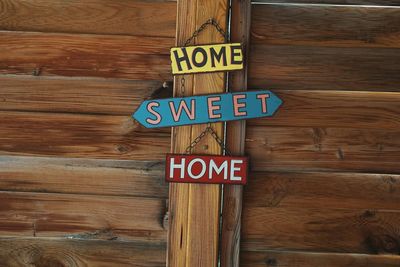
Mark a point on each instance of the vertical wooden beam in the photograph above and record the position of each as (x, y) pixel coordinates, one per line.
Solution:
(194, 209)
(235, 140)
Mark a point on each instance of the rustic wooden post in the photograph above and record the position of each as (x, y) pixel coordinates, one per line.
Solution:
(194, 210)
(235, 140)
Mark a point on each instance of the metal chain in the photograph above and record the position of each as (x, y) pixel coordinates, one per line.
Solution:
(197, 140)
(196, 33)
(209, 129)
(210, 21)
(219, 140)
(183, 86)
(214, 134)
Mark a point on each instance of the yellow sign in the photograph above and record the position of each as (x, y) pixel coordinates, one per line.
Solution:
(206, 58)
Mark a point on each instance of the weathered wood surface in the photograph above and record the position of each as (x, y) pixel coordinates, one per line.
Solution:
(72, 135)
(336, 212)
(321, 229)
(72, 73)
(335, 68)
(128, 57)
(46, 252)
(325, 25)
(377, 3)
(300, 259)
(117, 137)
(75, 95)
(83, 176)
(321, 189)
(373, 110)
(340, 149)
(97, 96)
(235, 141)
(133, 17)
(76, 216)
(195, 209)
(323, 68)
(324, 47)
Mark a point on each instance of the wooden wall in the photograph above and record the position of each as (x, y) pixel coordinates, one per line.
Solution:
(325, 183)
(80, 183)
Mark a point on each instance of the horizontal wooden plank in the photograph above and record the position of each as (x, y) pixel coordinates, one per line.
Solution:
(74, 95)
(300, 259)
(131, 17)
(375, 110)
(87, 136)
(377, 3)
(139, 58)
(80, 216)
(324, 68)
(19, 252)
(318, 189)
(306, 148)
(325, 25)
(321, 229)
(83, 176)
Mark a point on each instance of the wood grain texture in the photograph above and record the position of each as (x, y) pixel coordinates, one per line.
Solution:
(195, 209)
(119, 97)
(368, 110)
(137, 17)
(377, 3)
(46, 252)
(300, 259)
(334, 64)
(128, 57)
(324, 47)
(74, 95)
(325, 25)
(81, 216)
(329, 149)
(178, 205)
(235, 141)
(87, 136)
(323, 68)
(83, 176)
(321, 229)
(321, 189)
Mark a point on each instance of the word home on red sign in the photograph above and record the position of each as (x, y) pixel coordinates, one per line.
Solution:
(206, 169)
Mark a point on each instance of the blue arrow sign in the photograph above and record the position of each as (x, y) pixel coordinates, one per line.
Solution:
(169, 112)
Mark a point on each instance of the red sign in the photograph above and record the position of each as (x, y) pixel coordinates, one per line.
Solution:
(206, 169)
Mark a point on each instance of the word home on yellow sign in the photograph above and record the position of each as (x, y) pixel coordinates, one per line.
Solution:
(206, 58)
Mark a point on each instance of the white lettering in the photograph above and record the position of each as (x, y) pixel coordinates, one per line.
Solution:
(203, 168)
(222, 167)
(233, 169)
(173, 166)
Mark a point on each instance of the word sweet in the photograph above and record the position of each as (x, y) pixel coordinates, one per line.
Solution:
(206, 169)
(206, 58)
(208, 108)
